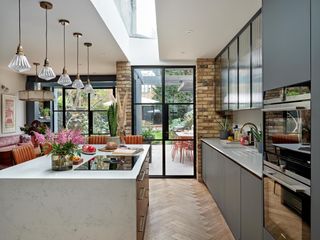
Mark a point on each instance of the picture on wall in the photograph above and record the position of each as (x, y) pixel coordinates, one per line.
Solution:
(8, 113)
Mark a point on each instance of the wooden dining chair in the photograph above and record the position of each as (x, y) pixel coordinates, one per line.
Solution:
(97, 139)
(23, 153)
(133, 139)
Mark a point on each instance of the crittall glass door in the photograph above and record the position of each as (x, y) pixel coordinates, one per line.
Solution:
(163, 112)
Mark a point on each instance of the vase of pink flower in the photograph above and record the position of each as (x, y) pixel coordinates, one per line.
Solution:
(64, 145)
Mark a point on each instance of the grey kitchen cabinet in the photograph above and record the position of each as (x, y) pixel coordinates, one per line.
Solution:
(286, 42)
(232, 196)
(251, 206)
(224, 101)
(315, 115)
(205, 158)
(233, 75)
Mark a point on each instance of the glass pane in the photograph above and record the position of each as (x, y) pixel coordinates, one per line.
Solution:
(225, 80)
(76, 99)
(179, 85)
(77, 120)
(233, 76)
(179, 158)
(155, 166)
(148, 121)
(57, 103)
(58, 121)
(257, 63)
(100, 123)
(101, 99)
(148, 87)
(244, 70)
(180, 121)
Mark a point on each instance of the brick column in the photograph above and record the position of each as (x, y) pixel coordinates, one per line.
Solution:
(207, 86)
(123, 84)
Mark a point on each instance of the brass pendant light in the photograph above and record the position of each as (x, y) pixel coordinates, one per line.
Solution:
(47, 72)
(77, 83)
(64, 79)
(19, 62)
(36, 95)
(88, 87)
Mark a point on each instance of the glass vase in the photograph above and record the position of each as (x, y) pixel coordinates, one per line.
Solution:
(61, 162)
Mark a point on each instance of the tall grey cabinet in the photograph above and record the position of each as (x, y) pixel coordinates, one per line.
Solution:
(286, 42)
(315, 115)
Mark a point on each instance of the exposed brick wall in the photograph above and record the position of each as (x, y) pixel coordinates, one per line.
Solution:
(124, 84)
(207, 86)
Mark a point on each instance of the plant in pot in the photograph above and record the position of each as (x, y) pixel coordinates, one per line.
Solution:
(258, 136)
(147, 134)
(45, 112)
(224, 128)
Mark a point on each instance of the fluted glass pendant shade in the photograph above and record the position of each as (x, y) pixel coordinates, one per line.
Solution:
(64, 79)
(88, 88)
(77, 83)
(19, 62)
(47, 72)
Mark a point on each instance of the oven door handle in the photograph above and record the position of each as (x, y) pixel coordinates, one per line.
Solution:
(295, 188)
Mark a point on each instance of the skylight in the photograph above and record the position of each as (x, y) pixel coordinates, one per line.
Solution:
(139, 17)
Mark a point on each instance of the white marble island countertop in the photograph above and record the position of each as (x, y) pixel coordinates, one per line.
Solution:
(246, 156)
(40, 168)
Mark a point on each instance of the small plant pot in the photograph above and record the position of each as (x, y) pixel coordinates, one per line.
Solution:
(115, 139)
(224, 134)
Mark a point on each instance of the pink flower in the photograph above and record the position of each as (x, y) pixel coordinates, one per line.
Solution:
(62, 137)
(40, 138)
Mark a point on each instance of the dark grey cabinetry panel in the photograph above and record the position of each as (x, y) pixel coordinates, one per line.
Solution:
(244, 70)
(232, 196)
(315, 114)
(251, 206)
(286, 42)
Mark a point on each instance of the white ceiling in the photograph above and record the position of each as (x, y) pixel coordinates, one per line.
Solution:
(83, 18)
(213, 23)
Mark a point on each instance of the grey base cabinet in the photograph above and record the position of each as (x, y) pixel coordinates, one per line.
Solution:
(237, 192)
(251, 206)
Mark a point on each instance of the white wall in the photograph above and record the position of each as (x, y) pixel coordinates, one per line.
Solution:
(14, 82)
(243, 116)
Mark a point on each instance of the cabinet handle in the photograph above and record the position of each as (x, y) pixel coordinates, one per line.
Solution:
(141, 193)
(143, 173)
(141, 224)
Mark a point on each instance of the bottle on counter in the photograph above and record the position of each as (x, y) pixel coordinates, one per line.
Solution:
(236, 132)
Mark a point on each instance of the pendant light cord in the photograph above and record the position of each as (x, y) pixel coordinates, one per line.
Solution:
(64, 45)
(88, 61)
(46, 33)
(19, 22)
(77, 54)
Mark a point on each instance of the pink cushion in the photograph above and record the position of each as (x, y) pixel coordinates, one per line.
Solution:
(7, 148)
(9, 140)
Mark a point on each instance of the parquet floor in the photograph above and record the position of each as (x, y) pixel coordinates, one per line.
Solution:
(182, 209)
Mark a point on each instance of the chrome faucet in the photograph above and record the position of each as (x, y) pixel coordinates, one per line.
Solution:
(248, 124)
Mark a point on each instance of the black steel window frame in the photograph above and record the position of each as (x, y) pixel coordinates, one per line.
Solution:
(90, 112)
(165, 119)
(236, 38)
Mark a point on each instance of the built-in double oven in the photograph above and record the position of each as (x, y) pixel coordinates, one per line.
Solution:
(287, 162)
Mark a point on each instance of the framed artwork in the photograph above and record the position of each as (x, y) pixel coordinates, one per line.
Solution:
(8, 113)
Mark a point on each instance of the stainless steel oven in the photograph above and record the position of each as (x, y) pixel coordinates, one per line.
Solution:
(287, 162)
(286, 206)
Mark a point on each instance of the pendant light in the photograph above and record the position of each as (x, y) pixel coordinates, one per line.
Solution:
(64, 79)
(77, 83)
(88, 88)
(36, 95)
(19, 62)
(46, 72)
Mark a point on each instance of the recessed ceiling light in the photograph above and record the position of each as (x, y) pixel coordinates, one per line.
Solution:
(182, 52)
(189, 31)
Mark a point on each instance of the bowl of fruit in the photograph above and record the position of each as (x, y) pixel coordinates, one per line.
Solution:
(88, 149)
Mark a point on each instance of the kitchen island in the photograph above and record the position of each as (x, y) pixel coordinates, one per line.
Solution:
(37, 203)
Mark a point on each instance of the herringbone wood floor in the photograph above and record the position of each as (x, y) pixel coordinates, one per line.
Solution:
(182, 209)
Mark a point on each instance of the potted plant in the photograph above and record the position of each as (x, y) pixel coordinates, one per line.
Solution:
(224, 128)
(63, 146)
(45, 112)
(258, 136)
(147, 134)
